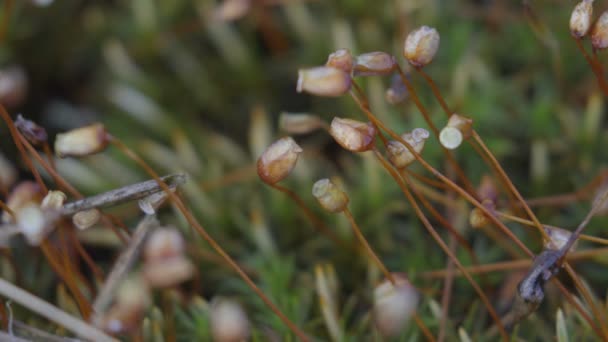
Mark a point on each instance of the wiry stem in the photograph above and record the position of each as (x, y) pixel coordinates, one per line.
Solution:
(596, 67)
(194, 223)
(425, 330)
(512, 189)
(528, 223)
(450, 184)
(448, 283)
(449, 155)
(317, 223)
(487, 155)
(367, 247)
(496, 165)
(403, 184)
(512, 265)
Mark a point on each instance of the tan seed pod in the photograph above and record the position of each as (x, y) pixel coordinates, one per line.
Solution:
(421, 46)
(33, 223)
(558, 238)
(229, 322)
(299, 123)
(324, 81)
(478, 219)
(341, 59)
(374, 64)
(164, 243)
(86, 219)
(400, 155)
(168, 272)
(82, 141)
(599, 33)
(394, 305)
(53, 200)
(581, 18)
(23, 194)
(353, 135)
(278, 160)
(330, 197)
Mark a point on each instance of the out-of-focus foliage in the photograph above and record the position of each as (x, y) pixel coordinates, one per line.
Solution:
(193, 91)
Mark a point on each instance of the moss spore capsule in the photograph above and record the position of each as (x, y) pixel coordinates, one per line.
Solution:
(581, 18)
(353, 135)
(324, 81)
(421, 45)
(278, 160)
(330, 197)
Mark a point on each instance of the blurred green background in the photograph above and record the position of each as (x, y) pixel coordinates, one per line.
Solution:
(197, 86)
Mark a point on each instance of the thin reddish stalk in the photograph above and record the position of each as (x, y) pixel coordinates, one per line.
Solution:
(364, 103)
(71, 270)
(64, 185)
(367, 247)
(446, 296)
(403, 184)
(453, 186)
(511, 265)
(512, 200)
(445, 223)
(564, 199)
(528, 223)
(582, 289)
(203, 232)
(425, 114)
(426, 180)
(507, 181)
(97, 272)
(496, 165)
(8, 210)
(49, 154)
(15, 135)
(83, 305)
(597, 68)
(487, 156)
(317, 223)
(436, 91)
(425, 330)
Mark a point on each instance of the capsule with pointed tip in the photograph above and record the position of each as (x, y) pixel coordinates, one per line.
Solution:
(599, 33)
(341, 59)
(82, 141)
(581, 18)
(353, 135)
(421, 46)
(376, 63)
(324, 81)
(278, 160)
(400, 155)
(330, 197)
